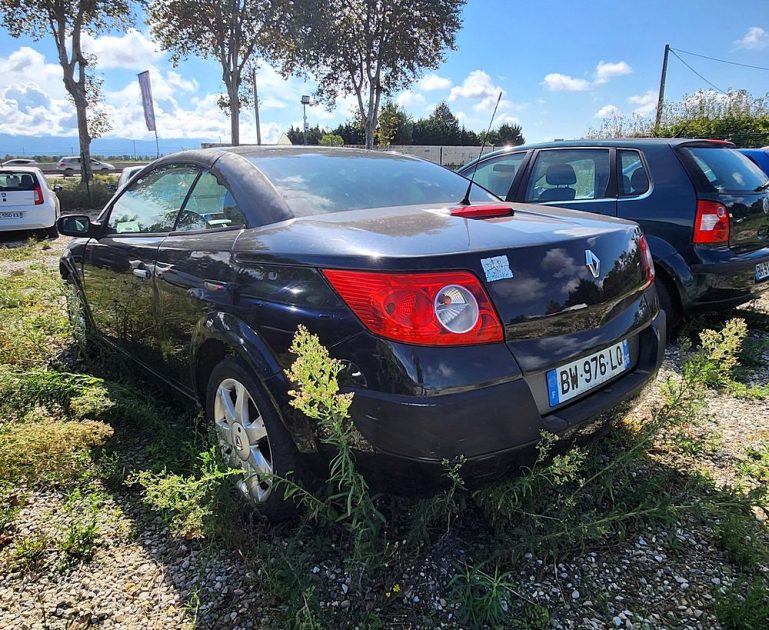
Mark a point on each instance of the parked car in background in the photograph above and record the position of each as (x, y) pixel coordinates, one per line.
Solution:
(20, 162)
(464, 328)
(26, 201)
(72, 163)
(127, 173)
(702, 204)
(759, 157)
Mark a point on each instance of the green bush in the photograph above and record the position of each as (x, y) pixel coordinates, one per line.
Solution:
(75, 196)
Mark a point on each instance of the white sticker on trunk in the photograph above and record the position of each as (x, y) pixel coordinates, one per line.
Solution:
(496, 268)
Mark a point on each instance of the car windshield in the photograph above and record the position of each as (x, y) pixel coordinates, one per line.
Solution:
(727, 169)
(317, 183)
(11, 181)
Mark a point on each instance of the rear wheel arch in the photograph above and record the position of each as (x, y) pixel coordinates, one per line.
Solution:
(669, 296)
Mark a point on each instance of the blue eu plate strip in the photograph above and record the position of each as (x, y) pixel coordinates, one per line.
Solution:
(552, 387)
(626, 353)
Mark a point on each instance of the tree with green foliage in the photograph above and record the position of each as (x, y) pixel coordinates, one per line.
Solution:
(230, 31)
(366, 48)
(388, 124)
(439, 128)
(735, 115)
(352, 131)
(331, 140)
(510, 135)
(66, 21)
(314, 134)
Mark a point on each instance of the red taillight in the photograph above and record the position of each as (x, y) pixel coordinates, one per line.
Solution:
(646, 260)
(481, 212)
(38, 195)
(711, 225)
(405, 307)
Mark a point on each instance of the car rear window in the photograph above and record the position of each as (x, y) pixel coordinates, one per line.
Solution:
(318, 183)
(11, 181)
(726, 169)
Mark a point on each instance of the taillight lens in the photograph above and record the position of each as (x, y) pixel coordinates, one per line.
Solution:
(646, 260)
(38, 195)
(430, 309)
(712, 223)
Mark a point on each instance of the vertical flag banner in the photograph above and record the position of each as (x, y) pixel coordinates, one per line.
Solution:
(149, 109)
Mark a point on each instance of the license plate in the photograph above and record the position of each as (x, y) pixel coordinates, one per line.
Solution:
(762, 271)
(570, 380)
(11, 215)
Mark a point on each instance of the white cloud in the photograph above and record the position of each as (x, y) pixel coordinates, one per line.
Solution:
(607, 111)
(506, 119)
(434, 82)
(646, 103)
(131, 51)
(478, 86)
(606, 70)
(410, 99)
(557, 82)
(755, 39)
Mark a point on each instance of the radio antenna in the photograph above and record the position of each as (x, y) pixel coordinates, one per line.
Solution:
(466, 200)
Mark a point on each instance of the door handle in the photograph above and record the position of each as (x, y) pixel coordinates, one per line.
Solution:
(142, 274)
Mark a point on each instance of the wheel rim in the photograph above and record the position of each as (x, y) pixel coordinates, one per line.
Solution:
(243, 438)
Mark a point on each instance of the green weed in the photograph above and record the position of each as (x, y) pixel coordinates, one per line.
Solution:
(744, 606)
(484, 598)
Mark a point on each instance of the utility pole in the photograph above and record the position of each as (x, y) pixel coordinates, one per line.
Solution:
(661, 98)
(305, 103)
(256, 108)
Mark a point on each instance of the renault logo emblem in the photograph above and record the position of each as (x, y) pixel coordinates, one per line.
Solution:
(593, 263)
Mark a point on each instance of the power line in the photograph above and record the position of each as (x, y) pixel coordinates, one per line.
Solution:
(733, 63)
(710, 83)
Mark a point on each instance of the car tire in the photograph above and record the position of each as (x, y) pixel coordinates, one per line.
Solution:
(669, 303)
(52, 232)
(252, 437)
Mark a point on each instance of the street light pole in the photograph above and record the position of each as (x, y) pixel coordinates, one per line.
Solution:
(256, 108)
(305, 103)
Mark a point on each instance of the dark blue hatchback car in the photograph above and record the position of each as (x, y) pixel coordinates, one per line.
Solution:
(703, 205)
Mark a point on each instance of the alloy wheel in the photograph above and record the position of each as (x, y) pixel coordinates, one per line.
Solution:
(243, 438)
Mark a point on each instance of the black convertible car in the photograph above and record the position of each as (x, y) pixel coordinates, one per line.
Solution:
(466, 325)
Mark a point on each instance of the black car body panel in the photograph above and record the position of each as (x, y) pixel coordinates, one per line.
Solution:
(706, 277)
(177, 301)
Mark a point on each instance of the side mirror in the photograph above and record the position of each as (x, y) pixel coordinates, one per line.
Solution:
(77, 225)
(57, 188)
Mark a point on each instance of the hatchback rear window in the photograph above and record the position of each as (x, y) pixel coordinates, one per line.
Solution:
(726, 169)
(11, 181)
(318, 183)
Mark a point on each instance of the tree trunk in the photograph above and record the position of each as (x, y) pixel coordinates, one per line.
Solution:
(81, 107)
(234, 113)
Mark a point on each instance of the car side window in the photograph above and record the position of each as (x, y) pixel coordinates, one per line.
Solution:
(633, 178)
(569, 174)
(152, 203)
(497, 174)
(210, 206)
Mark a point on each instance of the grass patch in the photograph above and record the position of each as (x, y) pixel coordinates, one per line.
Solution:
(76, 197)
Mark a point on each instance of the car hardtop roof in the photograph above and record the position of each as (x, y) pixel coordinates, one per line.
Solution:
(610, 143)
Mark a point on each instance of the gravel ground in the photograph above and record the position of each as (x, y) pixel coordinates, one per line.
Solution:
(141, 576)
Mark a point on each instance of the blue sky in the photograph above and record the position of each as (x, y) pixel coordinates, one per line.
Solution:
(561, 65)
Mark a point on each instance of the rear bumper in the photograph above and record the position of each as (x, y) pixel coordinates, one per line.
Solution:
(492, 427)
(33, 218)
(725, 279)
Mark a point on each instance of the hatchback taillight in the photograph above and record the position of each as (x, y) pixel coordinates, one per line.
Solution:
(38, 195)
(430, 309)
(711, 226)
(646, 260)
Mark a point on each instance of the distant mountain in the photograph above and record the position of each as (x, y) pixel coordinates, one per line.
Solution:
(29, 146)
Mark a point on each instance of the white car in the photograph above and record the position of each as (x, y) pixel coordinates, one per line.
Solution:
(71, 164)
(20, 162)
(26, 201)
(127, 174)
